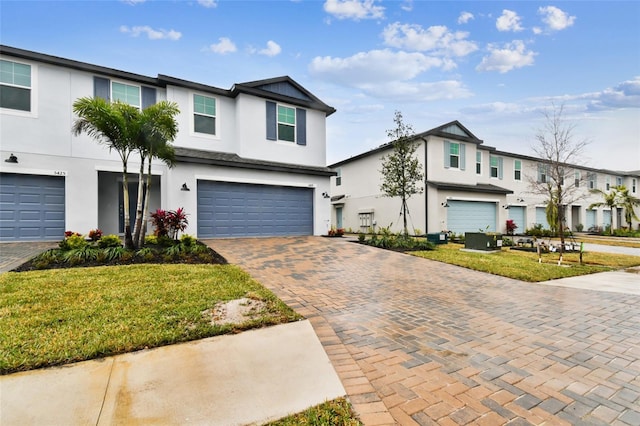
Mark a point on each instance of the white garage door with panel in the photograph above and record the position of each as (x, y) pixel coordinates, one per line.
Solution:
(230, 209)
(471, 216)
(517, 214)
(31, 207)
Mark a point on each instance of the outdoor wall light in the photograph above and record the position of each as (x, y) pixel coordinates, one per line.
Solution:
(325, 195)
(521, 200)
(12, 159)
(185, 187)
(445, 204)
(506, 207)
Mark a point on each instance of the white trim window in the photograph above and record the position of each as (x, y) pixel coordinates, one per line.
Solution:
(126, 93)
(607, 183)
(478, 163)
(634, 185)
(517, 170)
(593, 180)
(339, 177)
(16, 86)
(286, 123)
(577, 178)
(204, 114)
(495, 167)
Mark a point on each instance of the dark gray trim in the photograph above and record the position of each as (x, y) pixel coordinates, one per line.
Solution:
(272, 121)
(480, 187)
(301, 126)
(186, 155)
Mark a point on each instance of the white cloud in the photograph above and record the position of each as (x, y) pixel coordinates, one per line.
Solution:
(537, 30)
(209, 4)
(508, 21)
(555, 19)
(436, 38)
(624, 95)
(400, 91)
(503, 59)
(354, 9)
(407, 5)
(465, 17)
(373, 67)
(151, 33)
(272, 49)
(133, 2)
(224, 46)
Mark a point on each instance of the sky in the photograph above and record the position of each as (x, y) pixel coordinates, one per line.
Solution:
(494, 66)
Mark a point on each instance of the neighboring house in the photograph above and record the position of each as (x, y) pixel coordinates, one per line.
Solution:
(469, 187)
(251, 160)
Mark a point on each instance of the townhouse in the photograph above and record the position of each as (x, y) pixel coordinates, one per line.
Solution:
(251, 160)
(468, 187)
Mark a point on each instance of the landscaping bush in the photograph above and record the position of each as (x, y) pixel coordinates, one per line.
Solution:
(107, 241)
(74, 241)
(168, 223)
(399, 242)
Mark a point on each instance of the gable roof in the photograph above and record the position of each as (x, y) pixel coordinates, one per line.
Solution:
(283, 89)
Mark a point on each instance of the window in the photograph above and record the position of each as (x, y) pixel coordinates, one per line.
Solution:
(15, 86)
(618, 181)
(125, 93)
(204, 114)
(286, 124)
(542, 173)
(577, 179)
(454, 155)
(607, 183)
(495, 167)
(593, 183)
(517, 170)
(478, 163)
(634, 184)
(339, 177)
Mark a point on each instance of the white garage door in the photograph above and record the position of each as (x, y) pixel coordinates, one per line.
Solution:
(471, 216)
(517, 214)
(229, 209)
(31, 207)
(541, 217)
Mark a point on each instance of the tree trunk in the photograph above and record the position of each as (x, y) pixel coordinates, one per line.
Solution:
(138, 225)
(128, 240)
(145, 213)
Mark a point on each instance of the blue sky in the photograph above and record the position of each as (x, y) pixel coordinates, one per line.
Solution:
(494, 66)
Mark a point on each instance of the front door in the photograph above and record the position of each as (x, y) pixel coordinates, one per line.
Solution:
(338, 217)
(133, 201)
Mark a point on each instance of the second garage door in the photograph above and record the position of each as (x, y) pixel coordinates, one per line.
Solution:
(471, 216)
(229, 209)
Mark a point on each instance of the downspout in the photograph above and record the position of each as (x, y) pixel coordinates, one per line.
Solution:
(426, 191)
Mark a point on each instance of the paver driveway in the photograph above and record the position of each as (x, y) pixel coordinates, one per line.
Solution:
(421, 342)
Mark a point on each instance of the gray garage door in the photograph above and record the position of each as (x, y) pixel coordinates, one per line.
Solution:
(516, 213)
(31, 207)
(227, 209)
(541, 217)
(471, 216)
(591, 219)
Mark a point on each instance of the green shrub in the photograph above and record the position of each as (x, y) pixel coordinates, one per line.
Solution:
(187, 240)
(115, 253)
(73, 242)
(151, 239)
(174, 251)
(145, 253)
(80, 255)
(361, 237)
(107, 241)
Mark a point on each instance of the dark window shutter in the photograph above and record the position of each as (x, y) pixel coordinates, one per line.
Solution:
(462, 156)
(148, 96)
(447, 152)
(301, 126)
(101, 88)
(500, 168)
(272, 134)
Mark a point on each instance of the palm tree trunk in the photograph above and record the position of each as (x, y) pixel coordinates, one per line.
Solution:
(145, 213)
(137, 228)
(128, 240)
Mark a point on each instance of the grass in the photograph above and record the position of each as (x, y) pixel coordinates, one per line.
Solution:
(337, 412)
(524, 266)
(610, 241)
(59, 316)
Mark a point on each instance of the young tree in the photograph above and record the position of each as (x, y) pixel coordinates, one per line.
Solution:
(402, 174)
(557, 147)
(116, 125)
(158, 128)
(609, 199)
(619, 196)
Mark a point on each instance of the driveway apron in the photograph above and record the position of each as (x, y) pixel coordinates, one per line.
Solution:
(418, 342)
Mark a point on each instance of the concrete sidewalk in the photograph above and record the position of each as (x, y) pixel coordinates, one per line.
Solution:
(622, 281)
(248, 378)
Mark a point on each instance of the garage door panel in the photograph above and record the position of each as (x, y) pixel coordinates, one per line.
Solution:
(253, 210)
(32, 207)
(471, 216)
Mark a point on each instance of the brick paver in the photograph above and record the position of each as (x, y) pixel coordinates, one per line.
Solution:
(418, 342)
(13, 255)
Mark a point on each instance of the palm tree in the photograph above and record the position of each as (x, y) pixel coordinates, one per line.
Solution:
(628, 202)
(158, 129)
(610, 199)
(117, 126)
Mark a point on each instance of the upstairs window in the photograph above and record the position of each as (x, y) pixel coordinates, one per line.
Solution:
(517, 170)
(634, 184)
(286, 124)
(478, 163)
(15, 85)
(542, 173)
(339, 177)
(618, 181)
(204, 114)
(453, 155)
(593, 183)
(577, 179)
(607, 183)
(125, 93)
(495, 167)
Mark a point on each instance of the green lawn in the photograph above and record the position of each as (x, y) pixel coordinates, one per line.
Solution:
(59, 316)
(524, 266)
(332, 413)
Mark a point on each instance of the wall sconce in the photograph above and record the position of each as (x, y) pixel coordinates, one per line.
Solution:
(521, 200)
(445, 204)
(12, 159)
(185, 187)
(506, 207)
(325, 195)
